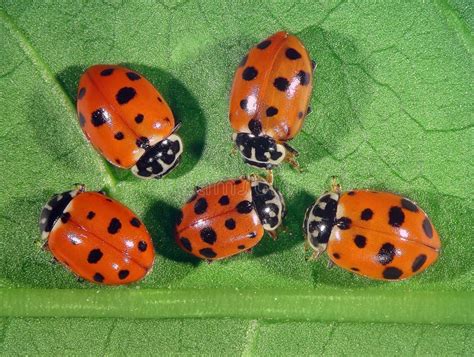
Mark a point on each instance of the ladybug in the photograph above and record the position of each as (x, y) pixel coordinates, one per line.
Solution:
(228, 217)
(269, 100)
(379, 235)
(127, 120)
(96, 237)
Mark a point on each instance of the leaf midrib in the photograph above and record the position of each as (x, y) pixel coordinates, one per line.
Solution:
(323, 304)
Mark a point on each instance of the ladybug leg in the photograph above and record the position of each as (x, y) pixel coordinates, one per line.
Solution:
(269, 177)
(54, 261)
(273, 234)
(209, 261)
(249, 251)
(330, 264)
(335, 185)
(316, 252)
(290, 157)
(79, 280)
(314, 65)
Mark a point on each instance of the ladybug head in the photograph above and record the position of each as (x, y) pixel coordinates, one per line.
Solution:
(319, 220)
(160, 159)
(53, 210)
(259, 150)
(269, 204)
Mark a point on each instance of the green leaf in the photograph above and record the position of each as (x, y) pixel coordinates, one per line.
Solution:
(392, 111)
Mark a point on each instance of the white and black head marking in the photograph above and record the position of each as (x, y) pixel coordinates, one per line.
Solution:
(269, 204)
(160, 159)
(53, 210)
(319, 220)
(259, 150)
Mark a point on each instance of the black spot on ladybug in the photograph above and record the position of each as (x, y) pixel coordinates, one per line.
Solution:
(200, 206)
(255, 126)
(94, 256)
(396, 217)
(179, 218)
(237, 182)
(65, 217)
(360, 241)
(264, 44)
(118, 161)
(139, 118)
(160, 100)
(114, 226)
(125, 95)
(427, 228)
(392, 273)
(90, 215)
(119, 136)
(355, 269)
(344, 223)
(82, 93)
(366, 214)
(292, 54)
(224, 200)
(243, 104)
(386, 254)
(142, 246)
(241, 247)
(281, 84)
(135, 222)
(252, 235)
(300, 115)
(271, 111)
(418, 262)
(82, 120)
(208, 253)
(230, 224)
(99, 117)
(186, 243)
(133, 76)
(142, 142)
(122, 274)
(107, 72)
(208, 235)
(244, 207)
(243, 61)
(98, 277)
(351, 193)
(249, 73)
(304, 77)
(336, 256)
(409, 205)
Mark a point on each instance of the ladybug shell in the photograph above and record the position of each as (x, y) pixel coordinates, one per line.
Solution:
(273, 86)
(382, 236)
(219, 221)
(121, 112)
(101, 240)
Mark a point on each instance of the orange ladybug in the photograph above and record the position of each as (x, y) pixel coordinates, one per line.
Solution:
(228, 217)
(378, 235)
(96, 237)
(127, 120)
(269, 100)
